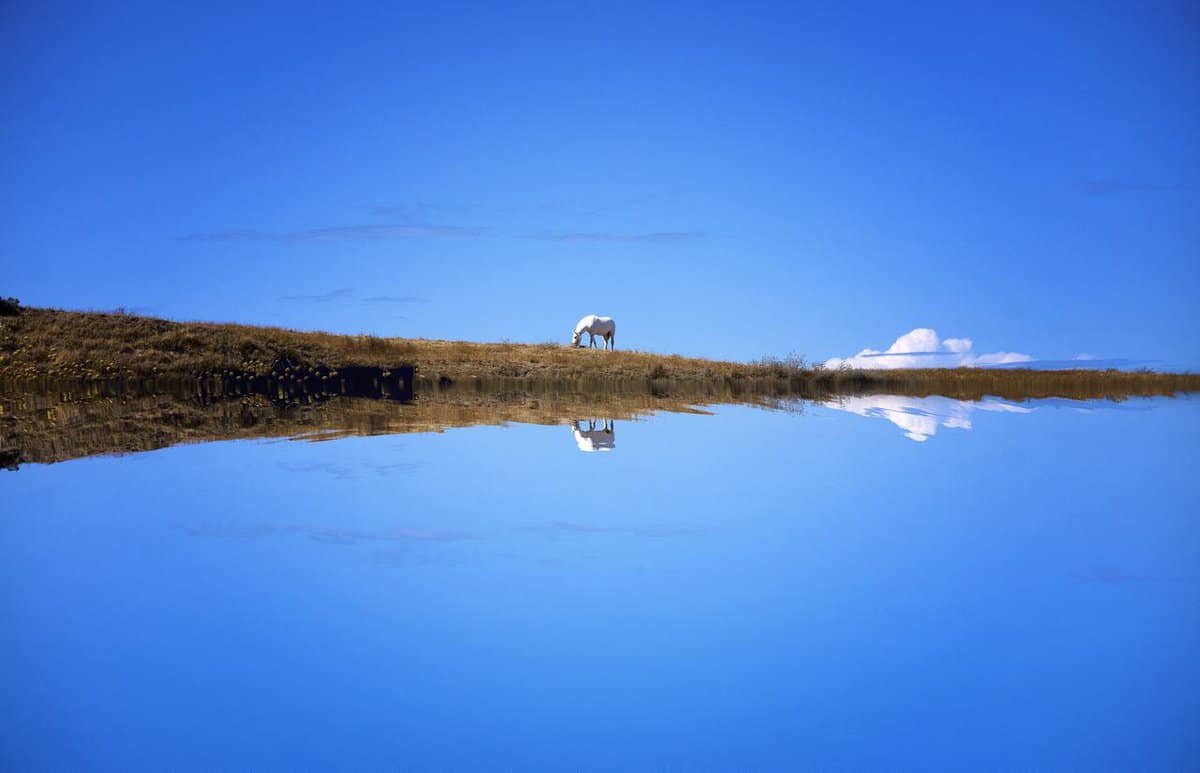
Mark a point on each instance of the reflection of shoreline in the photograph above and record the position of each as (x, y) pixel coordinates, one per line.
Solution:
(921, 417)
(74, 420)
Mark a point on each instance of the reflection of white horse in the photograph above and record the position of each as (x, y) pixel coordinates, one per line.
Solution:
(592, 439)
(596, 326)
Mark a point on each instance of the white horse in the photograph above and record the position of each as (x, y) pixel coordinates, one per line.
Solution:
(592, 439)
(596, 326)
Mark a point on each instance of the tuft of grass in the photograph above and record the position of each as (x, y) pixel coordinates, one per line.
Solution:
(782, 367)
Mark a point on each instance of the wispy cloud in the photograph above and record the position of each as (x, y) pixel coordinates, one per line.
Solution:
(656, 237)
(395, 299)
(1110, 575)
(343, 233)
(320, 533)
(348, 293)
(565, 207)
(568, 529)
(425, 210)
(1110, 186)
(340, 294)
(922, 348)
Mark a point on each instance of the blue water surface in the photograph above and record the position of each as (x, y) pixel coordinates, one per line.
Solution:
(888, 585)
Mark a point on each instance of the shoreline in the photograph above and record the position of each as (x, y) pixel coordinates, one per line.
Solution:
(47, 349)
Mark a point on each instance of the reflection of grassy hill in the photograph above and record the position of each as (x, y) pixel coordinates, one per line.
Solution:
(41, 346)
(73, 420)
(60, 424)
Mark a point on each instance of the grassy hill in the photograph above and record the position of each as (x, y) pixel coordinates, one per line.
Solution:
(44, 346)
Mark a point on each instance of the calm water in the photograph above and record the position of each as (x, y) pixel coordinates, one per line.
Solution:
(889, 583)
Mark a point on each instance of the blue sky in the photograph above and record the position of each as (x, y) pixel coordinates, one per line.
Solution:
(728, 180)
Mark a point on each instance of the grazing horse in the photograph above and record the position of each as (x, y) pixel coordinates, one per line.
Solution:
(596, 326)
(592, 439)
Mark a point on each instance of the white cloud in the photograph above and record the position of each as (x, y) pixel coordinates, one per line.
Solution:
(957, 345)
(921, 348)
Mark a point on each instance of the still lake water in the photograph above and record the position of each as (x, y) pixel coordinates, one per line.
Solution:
(913, 584)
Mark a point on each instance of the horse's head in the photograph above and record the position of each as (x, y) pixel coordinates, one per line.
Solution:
(575, 337)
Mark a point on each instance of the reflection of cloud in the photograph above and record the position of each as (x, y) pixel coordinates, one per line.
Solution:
(338, 471)
(389, 469)
(921, 348)
(920, 417)
(1091, 406)
(421, 210)
(566, 529)
(344, 472)
(334, 534)
(658, 237)
(342, 233)
(1081, 363)
(401, 556)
